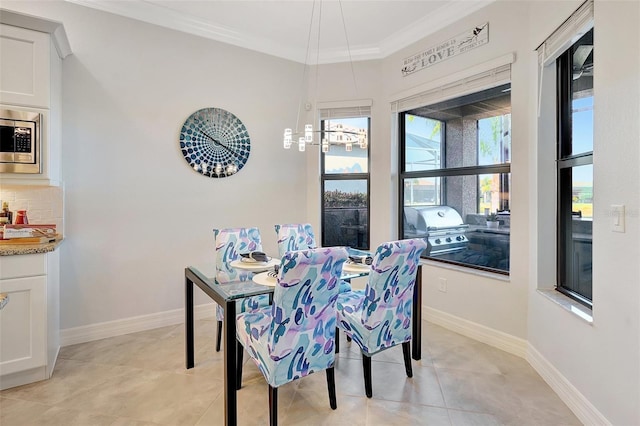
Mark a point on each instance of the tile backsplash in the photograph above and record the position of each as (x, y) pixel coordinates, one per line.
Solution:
(44, 205)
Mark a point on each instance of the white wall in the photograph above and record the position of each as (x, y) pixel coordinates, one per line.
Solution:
(602, 360)
(136, 214)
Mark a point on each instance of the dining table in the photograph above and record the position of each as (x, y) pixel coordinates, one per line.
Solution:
(227, 293)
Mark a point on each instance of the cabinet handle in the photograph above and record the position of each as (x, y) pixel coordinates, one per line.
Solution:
(4, 299)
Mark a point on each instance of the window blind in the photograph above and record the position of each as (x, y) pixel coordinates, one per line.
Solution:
(484, 76)
(577, 25)
(566, 34)
(345, 109)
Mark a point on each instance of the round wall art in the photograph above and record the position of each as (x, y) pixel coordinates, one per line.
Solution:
(215, 143)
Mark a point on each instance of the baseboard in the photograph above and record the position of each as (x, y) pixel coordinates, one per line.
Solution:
(20, 378)
(581, 407)
(88, 333)
(498, 339)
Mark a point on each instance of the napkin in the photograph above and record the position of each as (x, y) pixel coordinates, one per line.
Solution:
(256, 256)
(366, 260)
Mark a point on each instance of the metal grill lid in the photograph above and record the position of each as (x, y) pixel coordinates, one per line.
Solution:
(433, 217)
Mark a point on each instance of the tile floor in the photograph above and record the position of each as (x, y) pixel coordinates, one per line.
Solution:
(140, 379)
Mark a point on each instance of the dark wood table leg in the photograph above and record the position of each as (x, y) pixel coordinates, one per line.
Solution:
(417, 317)
(188, 321)
(230, 353)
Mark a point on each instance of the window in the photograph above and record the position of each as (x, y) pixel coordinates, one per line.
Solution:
(455, 171)
(574, 73)
(345, 182)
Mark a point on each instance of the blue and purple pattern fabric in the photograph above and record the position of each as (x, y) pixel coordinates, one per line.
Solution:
(229, 243)
(295, 236)
(299, 236)
(380, 316)
(296, 335)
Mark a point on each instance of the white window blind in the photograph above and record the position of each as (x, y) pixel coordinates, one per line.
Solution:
(484, 76)
(345, 109)
(562, 38)
(566, 34)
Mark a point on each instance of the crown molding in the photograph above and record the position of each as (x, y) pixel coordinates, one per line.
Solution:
(165, 17)
(440, 18)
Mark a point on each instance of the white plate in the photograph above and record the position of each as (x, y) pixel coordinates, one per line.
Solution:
(265, 278)
(254, 266)
(349, 266)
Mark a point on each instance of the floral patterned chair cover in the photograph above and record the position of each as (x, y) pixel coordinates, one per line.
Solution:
(229, 243)
(299, 236)
(295, 236)
(379, 317)
(296, 335)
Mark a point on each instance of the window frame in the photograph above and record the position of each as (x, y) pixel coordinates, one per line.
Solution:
(324, 177)
(565, 163)
(443, 172)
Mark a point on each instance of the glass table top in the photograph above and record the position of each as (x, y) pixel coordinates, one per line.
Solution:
(239, 289)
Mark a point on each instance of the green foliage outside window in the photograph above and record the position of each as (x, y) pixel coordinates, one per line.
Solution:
(344, 199)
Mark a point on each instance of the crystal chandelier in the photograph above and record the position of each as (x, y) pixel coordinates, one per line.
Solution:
(325, 137)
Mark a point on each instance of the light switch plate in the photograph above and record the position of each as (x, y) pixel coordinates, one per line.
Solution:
(617, 217)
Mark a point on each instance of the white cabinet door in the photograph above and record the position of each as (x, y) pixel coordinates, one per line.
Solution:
(23, 325)
(24, 55)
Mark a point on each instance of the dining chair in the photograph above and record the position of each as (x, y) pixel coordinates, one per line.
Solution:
(300, 236)
(379, 317)
(229, 244)
(295, 336)
(294, 236)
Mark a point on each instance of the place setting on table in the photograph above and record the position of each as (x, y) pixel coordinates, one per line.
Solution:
(265, 268)
(255, 261)
(358, 263)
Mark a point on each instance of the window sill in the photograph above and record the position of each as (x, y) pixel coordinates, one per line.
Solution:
(470, 271)
(568, 304)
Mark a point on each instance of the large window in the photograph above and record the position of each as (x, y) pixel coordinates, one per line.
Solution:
(345, 183)
(575, 169)
(455, 178)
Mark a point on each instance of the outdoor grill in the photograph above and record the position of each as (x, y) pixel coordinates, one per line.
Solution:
(441, 225)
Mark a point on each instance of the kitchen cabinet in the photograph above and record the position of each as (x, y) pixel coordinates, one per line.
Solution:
(26, 62)
(30, 318)
(31, 53)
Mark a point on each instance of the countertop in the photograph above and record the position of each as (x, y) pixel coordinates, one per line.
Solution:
(16, 249)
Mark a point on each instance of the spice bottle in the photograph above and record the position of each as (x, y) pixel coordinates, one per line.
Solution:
(5, 215)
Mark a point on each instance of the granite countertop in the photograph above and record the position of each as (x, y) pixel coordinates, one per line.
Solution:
(15, 249)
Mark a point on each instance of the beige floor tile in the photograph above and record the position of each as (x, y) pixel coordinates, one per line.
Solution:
(311, 407)
(390, 382)
(20, 412)
(70, 379)
(140, 379)
(122, 421)
(470, 418)
(253, 405)
(389, 413)
(160, 397)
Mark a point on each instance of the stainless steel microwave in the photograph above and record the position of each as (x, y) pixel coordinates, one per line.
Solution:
(20, 141)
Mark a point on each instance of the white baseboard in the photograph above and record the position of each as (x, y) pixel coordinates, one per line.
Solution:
(581, 407)
(88, 333)
(498, 339)
(20, 378)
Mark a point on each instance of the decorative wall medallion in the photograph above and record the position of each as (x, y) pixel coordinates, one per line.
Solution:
(215, 142)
